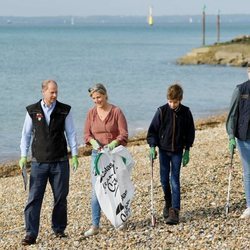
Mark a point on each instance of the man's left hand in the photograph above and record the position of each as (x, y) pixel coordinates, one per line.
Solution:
(75, 162)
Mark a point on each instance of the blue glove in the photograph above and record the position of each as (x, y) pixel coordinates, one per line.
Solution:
(75, 162)
(185, 158)
(113, 144)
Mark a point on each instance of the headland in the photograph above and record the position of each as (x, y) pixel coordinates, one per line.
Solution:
(232, 53)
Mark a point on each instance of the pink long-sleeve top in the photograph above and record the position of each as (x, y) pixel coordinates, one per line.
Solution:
(113, 127)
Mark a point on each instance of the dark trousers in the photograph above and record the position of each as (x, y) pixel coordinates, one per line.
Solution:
(58, 175)
(170, 166)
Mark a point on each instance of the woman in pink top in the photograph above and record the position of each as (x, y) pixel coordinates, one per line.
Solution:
(105, 125)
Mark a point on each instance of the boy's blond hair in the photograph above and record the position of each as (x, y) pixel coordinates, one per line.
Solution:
(175, 92)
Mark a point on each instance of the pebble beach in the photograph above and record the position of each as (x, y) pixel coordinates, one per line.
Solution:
(203, 222)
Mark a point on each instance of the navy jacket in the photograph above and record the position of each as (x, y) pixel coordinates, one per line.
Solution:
(244, 111)
(172, 130)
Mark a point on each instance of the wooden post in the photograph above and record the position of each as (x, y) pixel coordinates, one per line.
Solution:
(218, 27)
(203, 25)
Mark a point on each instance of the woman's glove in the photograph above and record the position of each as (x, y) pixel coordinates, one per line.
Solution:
(113, 144)
(94, 144)
(185, 158)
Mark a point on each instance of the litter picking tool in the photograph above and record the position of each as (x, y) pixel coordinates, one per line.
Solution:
(229, 184)
(25, 177)
(153, 218)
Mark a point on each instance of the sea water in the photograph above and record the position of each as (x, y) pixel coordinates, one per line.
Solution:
(134, 61)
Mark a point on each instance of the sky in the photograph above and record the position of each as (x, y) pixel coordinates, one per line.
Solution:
(120, 7)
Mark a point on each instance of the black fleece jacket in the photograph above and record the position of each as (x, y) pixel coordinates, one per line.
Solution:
(172, 130)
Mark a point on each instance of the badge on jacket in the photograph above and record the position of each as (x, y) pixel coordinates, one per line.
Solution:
(39, 116)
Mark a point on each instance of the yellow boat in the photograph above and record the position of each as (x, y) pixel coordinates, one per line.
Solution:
(150, 16)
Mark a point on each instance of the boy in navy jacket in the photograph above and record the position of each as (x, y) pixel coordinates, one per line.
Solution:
(172, 131)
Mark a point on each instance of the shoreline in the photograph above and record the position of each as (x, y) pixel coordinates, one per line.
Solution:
(11, 168)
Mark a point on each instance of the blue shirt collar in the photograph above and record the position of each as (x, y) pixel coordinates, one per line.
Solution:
(46, 106)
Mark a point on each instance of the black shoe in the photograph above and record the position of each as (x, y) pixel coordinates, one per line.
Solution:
(60, 235)
(173, 217)
(28, 240)
(168, 204)
(165, 212)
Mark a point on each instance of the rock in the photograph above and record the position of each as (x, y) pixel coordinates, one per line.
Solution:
(233, 53)
(231, 58)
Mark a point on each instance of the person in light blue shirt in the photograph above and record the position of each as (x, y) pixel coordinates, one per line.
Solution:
(49, 127)
(28, 127)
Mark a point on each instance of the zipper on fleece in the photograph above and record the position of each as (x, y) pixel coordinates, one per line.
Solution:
(173, 131)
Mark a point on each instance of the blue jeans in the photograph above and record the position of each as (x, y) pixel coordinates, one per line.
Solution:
(95, 206)
(170, 165)
(244, 149)
(58, 175)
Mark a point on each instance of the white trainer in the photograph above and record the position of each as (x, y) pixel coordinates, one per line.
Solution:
(122, 227)
(246, 214)
(92, 231)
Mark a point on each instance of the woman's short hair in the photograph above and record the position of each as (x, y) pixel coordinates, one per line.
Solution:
(99, 87)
